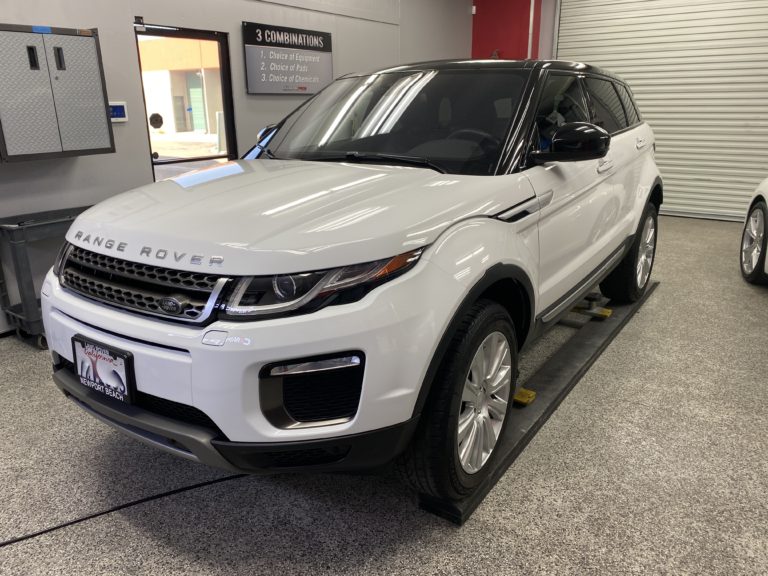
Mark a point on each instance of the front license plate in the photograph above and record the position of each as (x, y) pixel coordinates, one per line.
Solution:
(103, 368)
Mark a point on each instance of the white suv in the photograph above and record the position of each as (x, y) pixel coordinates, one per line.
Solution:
(362, 290)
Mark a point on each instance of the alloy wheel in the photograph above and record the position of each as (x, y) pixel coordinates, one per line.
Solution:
(646, 250)
(752, 241)
(484, 402)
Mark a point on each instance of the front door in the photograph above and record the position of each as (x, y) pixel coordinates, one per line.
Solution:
(575, 197)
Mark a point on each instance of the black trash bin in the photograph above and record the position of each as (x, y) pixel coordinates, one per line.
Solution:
(16, 233)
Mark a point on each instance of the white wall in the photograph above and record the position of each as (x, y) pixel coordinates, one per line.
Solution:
(550, 12)
(367, 34)
(435, 29)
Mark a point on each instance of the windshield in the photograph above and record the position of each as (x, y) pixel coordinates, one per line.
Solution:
(451, 120)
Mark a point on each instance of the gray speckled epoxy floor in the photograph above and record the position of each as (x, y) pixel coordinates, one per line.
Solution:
(657, 462)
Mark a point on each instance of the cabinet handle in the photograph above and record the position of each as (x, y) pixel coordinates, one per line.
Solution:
(34, 63)
(58, 54)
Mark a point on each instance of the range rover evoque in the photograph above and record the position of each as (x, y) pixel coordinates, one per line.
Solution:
(358, 287)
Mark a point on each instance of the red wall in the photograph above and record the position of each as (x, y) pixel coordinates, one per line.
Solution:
(503, 25)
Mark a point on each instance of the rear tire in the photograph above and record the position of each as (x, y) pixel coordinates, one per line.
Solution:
(628, 281)
(463, 423)
(754, 245)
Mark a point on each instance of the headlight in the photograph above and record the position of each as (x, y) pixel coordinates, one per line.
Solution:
(61, 258)
(289, 293)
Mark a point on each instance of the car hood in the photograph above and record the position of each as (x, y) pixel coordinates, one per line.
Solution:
(279, 216)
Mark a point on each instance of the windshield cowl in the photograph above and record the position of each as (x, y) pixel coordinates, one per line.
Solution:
(377, 157)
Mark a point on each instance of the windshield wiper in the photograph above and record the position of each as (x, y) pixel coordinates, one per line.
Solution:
(381, 157)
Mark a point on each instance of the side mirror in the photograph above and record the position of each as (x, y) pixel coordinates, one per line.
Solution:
(575, 141)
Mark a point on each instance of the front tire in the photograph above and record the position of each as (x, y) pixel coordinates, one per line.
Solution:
(628, 281)
(455, 446)
(754, 245)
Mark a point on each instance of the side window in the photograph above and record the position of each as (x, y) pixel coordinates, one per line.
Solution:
(562, 101)
(605, 106)
(629, 105)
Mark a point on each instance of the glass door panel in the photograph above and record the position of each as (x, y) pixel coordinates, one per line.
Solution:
(187, 95)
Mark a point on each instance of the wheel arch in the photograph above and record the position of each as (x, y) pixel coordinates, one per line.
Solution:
(656, 197)
(507, 284)
(758, 198)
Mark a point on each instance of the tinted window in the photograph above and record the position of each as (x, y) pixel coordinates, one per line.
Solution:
(562, 101)
(629, 105)
(605, 106)
(457, 119)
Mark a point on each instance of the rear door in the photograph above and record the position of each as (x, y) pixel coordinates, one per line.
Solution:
(607, 111)
(639, 143)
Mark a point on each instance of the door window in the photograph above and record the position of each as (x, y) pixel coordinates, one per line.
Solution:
(629, 106)
(605, 106)
(562, 101)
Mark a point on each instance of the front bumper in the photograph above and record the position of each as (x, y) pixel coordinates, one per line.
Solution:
(396, 327)
(353, 452)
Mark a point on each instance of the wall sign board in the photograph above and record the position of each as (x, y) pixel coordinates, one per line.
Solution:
(280, 60)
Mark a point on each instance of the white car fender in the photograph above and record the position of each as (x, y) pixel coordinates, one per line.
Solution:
(475, 254)
(470, 249)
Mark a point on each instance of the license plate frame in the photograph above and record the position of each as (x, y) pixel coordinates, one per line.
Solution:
(115, 380)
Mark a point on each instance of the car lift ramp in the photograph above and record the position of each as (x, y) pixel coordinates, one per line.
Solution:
(548, 386)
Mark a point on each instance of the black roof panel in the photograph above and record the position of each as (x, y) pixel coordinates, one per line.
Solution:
(499, 64)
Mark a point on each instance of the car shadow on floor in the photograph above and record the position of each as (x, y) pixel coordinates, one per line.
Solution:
(308, 520)
(304, 521)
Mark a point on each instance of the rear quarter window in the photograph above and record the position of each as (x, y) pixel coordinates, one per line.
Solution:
(606, 109)
(629, 105)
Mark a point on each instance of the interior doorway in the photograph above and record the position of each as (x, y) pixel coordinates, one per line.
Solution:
(187, 86)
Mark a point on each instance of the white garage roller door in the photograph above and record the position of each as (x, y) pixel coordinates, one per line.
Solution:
(699, 70)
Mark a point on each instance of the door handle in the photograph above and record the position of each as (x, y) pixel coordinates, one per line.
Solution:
(604, 165)
(34, 62)
(640, 143)
(58, 56)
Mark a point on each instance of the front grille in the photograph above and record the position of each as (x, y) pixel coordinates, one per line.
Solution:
(140, 287)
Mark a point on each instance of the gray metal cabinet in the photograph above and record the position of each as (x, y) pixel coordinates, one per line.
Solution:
(27, 113)
(52, 96)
